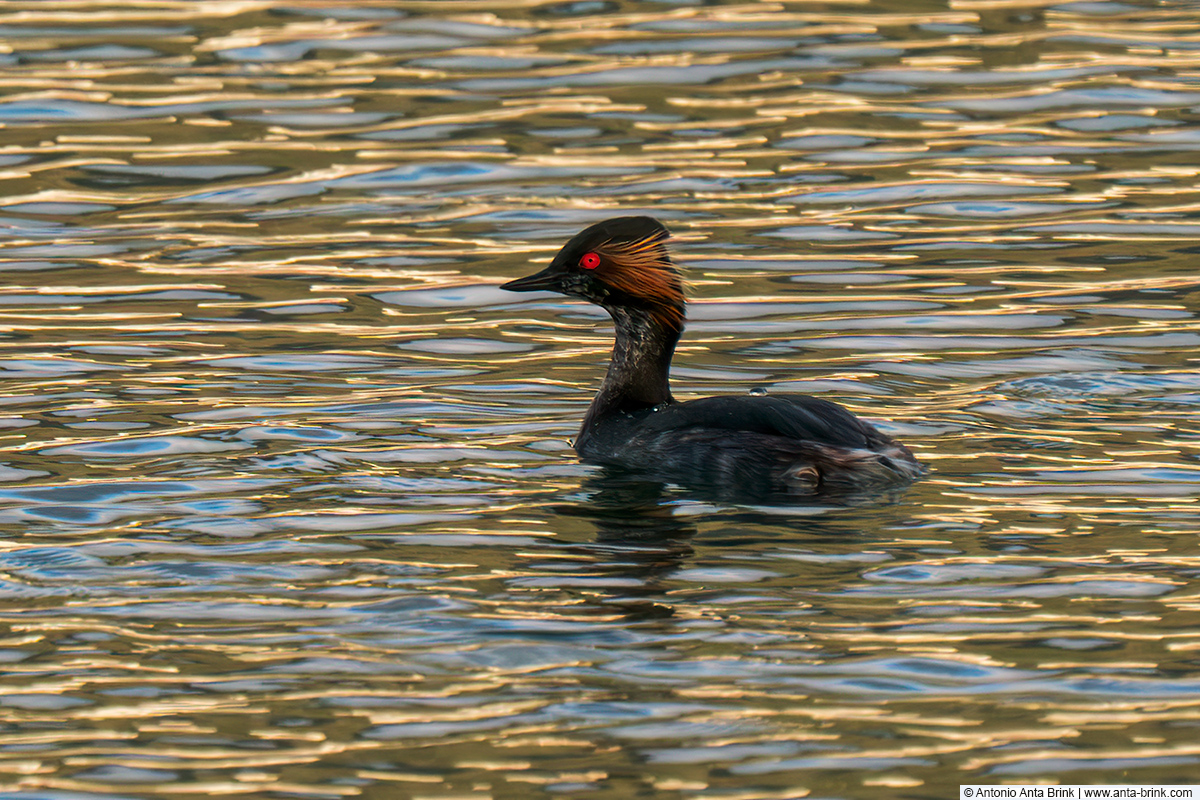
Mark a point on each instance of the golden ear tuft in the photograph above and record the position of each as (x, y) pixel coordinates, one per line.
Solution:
(641, 268)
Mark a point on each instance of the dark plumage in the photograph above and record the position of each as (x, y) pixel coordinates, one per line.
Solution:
(752, 445)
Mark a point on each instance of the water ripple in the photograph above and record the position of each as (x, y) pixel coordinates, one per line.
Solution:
(287, 504)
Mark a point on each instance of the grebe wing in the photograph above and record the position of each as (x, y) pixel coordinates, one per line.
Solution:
(796, 417)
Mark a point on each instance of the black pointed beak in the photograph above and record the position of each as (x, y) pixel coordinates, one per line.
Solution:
(545, 281)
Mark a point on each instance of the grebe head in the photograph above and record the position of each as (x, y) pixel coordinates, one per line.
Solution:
(619, 263)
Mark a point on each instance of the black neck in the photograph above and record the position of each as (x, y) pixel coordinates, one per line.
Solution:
(641, 359)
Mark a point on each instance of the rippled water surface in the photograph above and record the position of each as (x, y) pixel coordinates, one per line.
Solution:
(287, 503)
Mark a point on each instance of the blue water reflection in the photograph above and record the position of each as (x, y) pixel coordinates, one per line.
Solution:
(287, 500)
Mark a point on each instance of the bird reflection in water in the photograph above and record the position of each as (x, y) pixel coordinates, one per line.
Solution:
(640, 538)
(644, 529)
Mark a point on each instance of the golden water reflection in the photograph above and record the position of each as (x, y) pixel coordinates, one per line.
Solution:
(287, 502)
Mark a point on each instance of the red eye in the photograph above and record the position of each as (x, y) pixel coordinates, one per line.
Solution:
(589, 261)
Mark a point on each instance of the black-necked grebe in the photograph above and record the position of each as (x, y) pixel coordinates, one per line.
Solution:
(758, 444)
